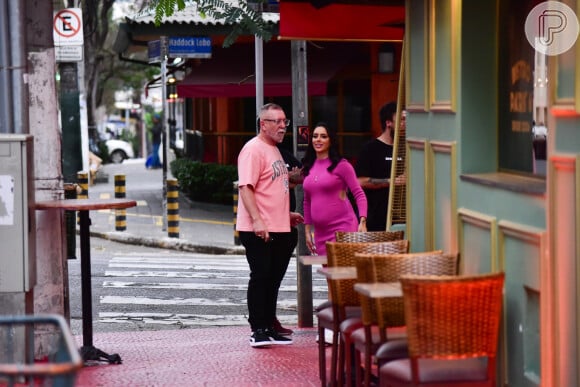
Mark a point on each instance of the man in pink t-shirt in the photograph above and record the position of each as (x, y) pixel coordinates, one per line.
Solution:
(263, 222)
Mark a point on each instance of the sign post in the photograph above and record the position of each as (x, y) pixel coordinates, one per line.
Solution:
(68, 27)
(68, 35)
(159, 51)
(165, 143)
(68, 42)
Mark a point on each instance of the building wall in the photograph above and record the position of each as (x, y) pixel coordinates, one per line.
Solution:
(460, 199)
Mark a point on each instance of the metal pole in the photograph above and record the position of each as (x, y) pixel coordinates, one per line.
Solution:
(6, 104)
(300, 118)
(165, 142)
(259, 58)
(18, 58)
(259, 66)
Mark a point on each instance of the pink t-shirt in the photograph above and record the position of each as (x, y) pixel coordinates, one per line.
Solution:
(261, 165)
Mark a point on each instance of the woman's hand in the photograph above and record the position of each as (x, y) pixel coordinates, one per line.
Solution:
(296, 219)
(362, 226)
(309, 240)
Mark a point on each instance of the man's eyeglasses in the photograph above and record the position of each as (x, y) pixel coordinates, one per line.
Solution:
(286, 122)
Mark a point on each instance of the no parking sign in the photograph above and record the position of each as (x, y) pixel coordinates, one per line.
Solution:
(68, 27)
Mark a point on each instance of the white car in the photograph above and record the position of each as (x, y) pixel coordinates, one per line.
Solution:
(119, 150)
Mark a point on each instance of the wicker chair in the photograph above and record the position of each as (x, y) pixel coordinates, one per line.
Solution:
(452, 327)
(369, 236)
(344, 300)
(380, 316)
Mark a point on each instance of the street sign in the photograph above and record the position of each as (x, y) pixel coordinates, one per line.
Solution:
(68, 27)
(68, 53)
(154, 51)
(189, 47)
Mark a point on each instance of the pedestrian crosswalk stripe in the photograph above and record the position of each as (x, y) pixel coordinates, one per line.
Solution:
(195, 301)
(222, 282)
(198, 286)
(186, 274)
(133, 300)
(197, 257)
(181, 266)
(216, 262)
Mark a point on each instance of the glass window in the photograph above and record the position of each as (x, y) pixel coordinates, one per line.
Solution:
(523, 97)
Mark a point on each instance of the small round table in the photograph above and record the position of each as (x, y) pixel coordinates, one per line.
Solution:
(83, 206)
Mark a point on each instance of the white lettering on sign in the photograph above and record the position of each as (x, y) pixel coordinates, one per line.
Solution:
(68, 27)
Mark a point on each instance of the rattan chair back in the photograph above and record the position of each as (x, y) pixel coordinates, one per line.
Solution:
(389, 312)
(452, 317)
(342, 254)
(369, 236)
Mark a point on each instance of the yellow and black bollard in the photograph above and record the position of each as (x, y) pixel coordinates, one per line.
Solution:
(83, 182)
(120, 193)
(236, 233)
(172, 208)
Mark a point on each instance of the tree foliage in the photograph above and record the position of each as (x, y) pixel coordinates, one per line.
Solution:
(104, 72)
(242, 15)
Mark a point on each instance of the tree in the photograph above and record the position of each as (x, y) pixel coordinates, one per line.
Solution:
(96, 28)
(242, 15)
(104, 72)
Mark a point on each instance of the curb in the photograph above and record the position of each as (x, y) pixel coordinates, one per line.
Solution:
(169, 243)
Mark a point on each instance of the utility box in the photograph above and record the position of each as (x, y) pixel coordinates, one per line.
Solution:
(17, 214)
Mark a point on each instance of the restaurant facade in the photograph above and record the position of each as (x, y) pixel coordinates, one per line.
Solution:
(484, 181)
(492, 154)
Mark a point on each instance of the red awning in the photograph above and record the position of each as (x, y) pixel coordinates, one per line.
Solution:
(230, 72)
(354, 22)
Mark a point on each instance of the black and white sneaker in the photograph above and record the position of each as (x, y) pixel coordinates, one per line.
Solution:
(260, 338)
(278, 339)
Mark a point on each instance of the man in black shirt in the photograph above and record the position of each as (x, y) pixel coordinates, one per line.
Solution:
(373, 168)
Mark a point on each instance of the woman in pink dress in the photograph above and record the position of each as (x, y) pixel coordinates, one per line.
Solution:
(327, 179)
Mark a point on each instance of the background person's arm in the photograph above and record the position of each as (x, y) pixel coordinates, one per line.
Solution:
(370, 183)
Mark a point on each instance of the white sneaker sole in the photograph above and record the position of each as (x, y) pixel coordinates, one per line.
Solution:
(274, 342)
(260, 344)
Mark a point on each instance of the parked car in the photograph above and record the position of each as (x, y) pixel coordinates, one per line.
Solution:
(119, 150)
(109, 149)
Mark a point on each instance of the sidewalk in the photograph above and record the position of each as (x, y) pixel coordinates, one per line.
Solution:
(203, 357)
(203, 227)
(194, 356)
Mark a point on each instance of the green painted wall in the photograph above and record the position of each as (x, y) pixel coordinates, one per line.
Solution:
(473, 131)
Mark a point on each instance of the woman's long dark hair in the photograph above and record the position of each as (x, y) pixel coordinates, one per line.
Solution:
(333, 154)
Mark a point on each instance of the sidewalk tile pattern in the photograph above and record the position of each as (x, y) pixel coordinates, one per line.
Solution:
(202, 357)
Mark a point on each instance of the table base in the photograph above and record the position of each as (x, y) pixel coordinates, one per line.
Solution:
(92, 353)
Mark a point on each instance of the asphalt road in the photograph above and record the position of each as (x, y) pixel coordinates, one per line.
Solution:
(141, 288)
